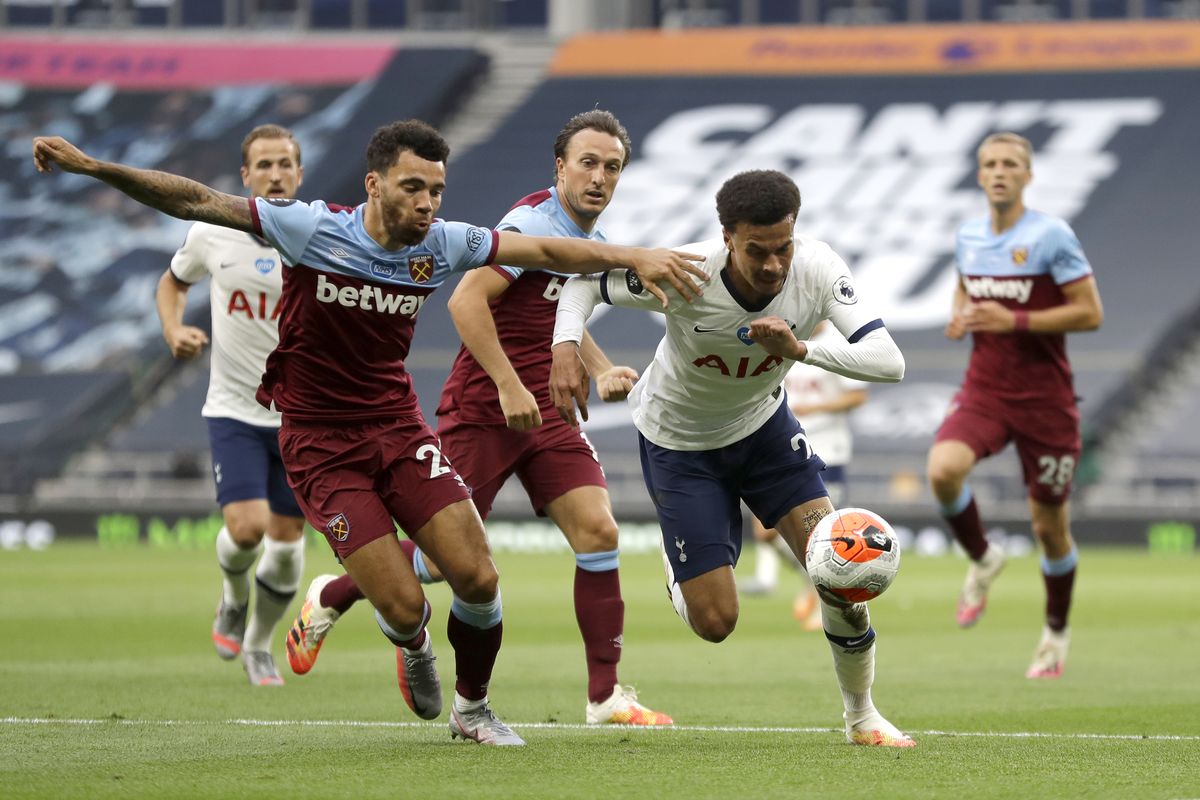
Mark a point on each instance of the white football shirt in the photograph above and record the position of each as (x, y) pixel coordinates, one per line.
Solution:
(709, 385)
(246, 281)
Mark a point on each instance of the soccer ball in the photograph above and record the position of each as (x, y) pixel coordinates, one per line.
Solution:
(853, 556)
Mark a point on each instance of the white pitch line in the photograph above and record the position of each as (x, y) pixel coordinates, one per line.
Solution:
(564, 726)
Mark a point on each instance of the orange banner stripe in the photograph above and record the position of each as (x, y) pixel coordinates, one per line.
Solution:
(900, 49)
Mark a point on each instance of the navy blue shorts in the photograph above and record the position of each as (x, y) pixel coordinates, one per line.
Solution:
(247, 466)
(698, 493)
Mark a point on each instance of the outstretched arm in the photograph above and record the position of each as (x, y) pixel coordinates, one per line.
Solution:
(585, 256)
(171, 194)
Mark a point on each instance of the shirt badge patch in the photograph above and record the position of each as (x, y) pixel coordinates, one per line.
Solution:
(1020, 255)
(475, 238)
(264, 265)
(339, 528)
(843, 291)
(420, 269)
(383, 269)
(633, 283)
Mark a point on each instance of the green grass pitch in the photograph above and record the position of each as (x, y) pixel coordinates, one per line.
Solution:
(109, 687)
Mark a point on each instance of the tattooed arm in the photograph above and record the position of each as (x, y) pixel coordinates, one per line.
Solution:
(171, 194)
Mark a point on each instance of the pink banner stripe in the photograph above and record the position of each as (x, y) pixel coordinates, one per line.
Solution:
(135, 65)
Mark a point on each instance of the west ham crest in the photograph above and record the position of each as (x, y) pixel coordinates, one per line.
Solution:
(420, 268)
(339, 528)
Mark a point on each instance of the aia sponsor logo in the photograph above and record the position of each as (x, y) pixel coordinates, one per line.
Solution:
(741, 368)
(339, 528)
(420, 268)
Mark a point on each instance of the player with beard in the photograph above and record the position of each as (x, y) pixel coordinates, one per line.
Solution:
(496, 418)
(358, 453)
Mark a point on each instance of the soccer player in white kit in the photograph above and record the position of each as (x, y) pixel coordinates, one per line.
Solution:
(822, 401)
(713, 426)
(260, 513)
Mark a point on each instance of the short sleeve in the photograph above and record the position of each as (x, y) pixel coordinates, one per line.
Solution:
(189, 263)
(288, 225)
(466, 246)
(1067, 261)
(509, 272)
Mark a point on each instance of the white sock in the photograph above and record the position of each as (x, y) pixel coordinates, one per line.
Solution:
(463, 706)
(766, 565)
(278, 578)
(235, 563)
(852, 642)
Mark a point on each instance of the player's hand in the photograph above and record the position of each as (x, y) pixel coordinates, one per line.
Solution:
(568, 382)
(615, 383)
(777, 338)
(185, 341)
(956, 328)
(520, 408)
(49, 151)
(655, 266)
(988, 316)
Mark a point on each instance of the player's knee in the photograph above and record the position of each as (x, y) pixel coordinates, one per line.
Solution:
(945, 477)
(713, 623)
(246, 529)
(1050, 534)
(478, 584)
(598, 537)
(403, 612)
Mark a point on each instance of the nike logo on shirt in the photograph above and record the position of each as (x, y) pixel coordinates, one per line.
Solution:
(698, 329)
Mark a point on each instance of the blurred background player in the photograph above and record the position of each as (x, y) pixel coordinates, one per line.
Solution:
(1024, 283)
(246, 278)
(496, 418)
(356, 448)
(822, 401)
(713, 427)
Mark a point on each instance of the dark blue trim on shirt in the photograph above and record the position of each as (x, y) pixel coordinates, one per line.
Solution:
(874, 324)
(604, 288)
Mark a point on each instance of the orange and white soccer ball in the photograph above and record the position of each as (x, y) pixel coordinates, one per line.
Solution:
(853, 556)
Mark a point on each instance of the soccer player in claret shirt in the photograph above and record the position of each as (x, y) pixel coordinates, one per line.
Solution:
(357, 451)
(496, 419)
(713, 423)
(1024, 283)
(246, 276)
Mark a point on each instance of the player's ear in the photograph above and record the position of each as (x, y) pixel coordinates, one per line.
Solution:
(371, 182)
(727, 236)
(245, 172)
(559, 164)
(300, 175)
